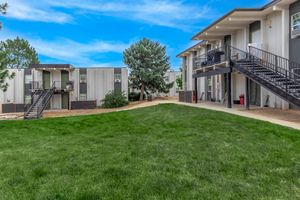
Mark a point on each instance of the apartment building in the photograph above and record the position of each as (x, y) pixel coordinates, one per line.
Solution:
(60, 86)
(170, 77)
(251, 53)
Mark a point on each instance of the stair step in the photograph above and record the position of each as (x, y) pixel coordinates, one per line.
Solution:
(294, 86)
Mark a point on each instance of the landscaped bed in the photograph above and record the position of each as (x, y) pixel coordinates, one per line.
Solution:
(161, 152)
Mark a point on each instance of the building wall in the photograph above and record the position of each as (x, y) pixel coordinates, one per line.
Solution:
(100, 81)
(15, 91)
(294, 46)
(171, 76)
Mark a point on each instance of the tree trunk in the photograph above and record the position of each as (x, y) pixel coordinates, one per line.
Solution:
(142, 92)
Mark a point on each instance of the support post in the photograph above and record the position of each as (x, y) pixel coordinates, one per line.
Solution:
(229, 101)
(247, 97)
(196, 91)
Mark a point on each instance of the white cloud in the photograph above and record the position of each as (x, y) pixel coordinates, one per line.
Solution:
(35, 11)
(170, 13)
(69, 51)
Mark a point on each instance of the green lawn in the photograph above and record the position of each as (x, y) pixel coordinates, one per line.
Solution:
(162, 152)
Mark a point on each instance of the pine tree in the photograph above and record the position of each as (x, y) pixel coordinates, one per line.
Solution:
(148, 64)
(4, 74)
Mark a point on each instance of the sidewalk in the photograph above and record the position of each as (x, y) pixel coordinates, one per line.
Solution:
(288, 118)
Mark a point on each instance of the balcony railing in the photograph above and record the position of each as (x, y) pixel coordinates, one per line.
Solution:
(58, 85)
(210, 58)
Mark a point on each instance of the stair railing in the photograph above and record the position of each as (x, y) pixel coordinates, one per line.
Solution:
(29, 106)
(41, 107)
(280, 66)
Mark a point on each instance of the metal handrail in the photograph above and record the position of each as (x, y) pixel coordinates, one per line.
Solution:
(273, 65)
(28, 106)
(46, 98)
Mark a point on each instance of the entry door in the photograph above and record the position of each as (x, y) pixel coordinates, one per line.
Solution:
(64, 79)
(209, 88)
(65, 101)
(227, 44)
(46, 80)
(46, 84)
(254, 94)
(255, 34)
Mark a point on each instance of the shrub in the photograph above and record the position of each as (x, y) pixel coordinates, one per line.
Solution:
(114, 99)
(135, 96)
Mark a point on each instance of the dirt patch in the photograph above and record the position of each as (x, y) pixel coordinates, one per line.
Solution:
(132, 105)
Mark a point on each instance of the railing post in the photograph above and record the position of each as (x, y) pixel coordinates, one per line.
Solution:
(286, 81)
(252, 57)
(276, 63)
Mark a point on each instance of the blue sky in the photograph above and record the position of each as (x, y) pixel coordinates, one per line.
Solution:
(94, 33)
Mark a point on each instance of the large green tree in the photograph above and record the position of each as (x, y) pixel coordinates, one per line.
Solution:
(148, 64)
(4, 74)
(18, 53)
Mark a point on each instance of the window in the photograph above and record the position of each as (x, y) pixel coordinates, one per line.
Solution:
(28, 79)
(27, 99)
(296, 22)
(167, 79)
(118, 78)
(82, 78)
(82, 97)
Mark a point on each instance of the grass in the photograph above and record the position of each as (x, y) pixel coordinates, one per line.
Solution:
(161, 152)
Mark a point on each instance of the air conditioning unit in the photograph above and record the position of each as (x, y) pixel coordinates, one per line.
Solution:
(296, 33)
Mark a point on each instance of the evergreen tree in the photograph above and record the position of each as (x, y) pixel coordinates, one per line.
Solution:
(4, 74)
(18, 53)
(148, 64)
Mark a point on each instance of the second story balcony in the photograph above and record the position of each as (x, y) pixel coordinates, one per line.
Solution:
(59, 86)
(213, 58)
(218, 59)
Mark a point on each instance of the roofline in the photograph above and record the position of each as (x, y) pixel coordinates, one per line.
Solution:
(236, 10)
(187, 50)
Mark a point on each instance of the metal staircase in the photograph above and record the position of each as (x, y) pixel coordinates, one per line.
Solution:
(40, 99)
(275, 73)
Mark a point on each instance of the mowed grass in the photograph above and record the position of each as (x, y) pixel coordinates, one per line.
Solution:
(161, 152)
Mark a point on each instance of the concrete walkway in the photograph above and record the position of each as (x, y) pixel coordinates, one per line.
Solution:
(288, 118)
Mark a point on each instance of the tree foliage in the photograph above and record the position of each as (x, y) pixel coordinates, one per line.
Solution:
(179, 82)
(115, 99)
(148, 64)
(18, 53)
(4, 73)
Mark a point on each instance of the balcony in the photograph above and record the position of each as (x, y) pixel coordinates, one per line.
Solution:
(213, 58)
(216, 61)
(60, 86)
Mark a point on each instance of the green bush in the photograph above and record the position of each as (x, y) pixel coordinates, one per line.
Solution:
(114, 99)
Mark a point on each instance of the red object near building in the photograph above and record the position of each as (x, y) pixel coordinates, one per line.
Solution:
(242, 99)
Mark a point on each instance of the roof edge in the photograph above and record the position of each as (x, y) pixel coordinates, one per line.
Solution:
(236, 10)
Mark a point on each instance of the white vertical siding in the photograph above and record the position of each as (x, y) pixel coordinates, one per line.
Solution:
(15, 91)
(56, 99)
(124, 74)
(100, 81)
(74, 76)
